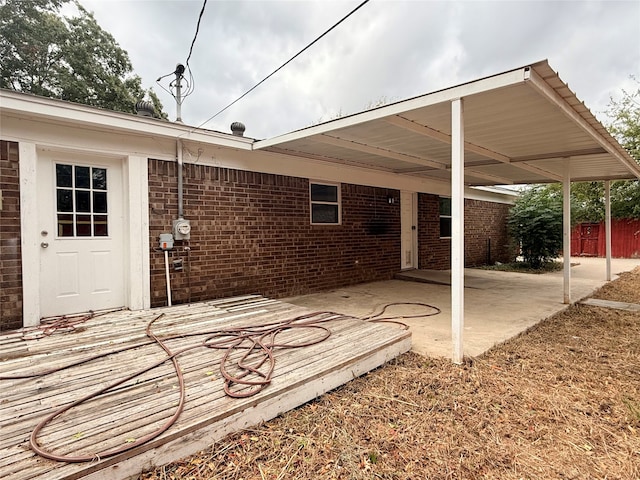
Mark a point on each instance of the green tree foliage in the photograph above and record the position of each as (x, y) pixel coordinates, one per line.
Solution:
(625, 125)
(588, 200)
(535, 224)
(625, 199)
(70, 58)
(625, 195)
(157, 105)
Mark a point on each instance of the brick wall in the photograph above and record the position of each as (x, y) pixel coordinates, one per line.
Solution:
(484, 221)
(485, 233)
(433, 253)
(10, 264)
(251, 233)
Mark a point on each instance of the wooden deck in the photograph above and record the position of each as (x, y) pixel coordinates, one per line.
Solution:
(137, 407)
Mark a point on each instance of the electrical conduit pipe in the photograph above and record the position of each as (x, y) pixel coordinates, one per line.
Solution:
(166, 271)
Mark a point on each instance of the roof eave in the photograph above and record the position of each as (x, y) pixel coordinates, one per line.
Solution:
(586, 120)
(512, 77)
(76, 114)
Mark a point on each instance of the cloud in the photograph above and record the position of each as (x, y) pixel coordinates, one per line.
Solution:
(388, 50)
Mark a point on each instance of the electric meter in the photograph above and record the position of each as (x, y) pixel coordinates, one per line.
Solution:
(181, 229)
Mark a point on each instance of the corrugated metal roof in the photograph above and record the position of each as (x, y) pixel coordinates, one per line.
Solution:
(520, 126)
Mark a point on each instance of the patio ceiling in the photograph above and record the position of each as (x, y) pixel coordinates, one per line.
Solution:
(520, 127)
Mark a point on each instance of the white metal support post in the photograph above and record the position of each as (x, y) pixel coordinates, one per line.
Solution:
(457, 229)
(566, 231)
(607, 225)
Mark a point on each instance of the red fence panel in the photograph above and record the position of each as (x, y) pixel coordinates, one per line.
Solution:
(588, 239)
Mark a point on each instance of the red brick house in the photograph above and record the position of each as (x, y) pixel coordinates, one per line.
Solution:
(252, 232)
(87, 193)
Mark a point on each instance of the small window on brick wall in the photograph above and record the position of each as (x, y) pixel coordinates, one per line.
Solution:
(445, 217)
(325, 203)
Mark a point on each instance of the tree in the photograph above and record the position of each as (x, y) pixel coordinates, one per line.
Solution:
(535, 224)
(70, 58)
(625, 124)
(625, 199)
(588, 200)
(588, 197)
(625, 127)
(370, 105)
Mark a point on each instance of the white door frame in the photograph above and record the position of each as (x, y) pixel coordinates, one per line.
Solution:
(78, 274)
(135, 235)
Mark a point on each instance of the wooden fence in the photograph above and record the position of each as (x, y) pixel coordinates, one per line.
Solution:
(588, 239)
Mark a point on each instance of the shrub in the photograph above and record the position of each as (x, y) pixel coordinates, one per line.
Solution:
(535, 224)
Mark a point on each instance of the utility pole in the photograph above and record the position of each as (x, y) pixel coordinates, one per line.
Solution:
(179, 71)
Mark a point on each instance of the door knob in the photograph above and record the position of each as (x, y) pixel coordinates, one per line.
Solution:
(44, 244)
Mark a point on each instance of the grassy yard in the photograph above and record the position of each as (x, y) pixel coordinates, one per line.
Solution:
(561, 401)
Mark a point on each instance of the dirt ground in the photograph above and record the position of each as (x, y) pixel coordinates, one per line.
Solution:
(560, 401)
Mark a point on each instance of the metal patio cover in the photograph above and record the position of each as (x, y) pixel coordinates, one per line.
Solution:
(520, 127)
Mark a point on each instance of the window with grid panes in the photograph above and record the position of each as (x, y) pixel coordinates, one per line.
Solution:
(81, 201)
(445, 217)
(325, 203)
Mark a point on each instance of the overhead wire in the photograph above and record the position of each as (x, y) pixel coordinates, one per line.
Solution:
(326, 32)
(195, 36)
(162, 86)
(191, 81)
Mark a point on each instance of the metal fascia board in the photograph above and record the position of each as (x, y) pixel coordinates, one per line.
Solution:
(540, 85)
(506, 79)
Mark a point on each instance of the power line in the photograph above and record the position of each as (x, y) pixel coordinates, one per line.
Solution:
(285, 63)
(179, 77)
(192, 84)
(193, 42)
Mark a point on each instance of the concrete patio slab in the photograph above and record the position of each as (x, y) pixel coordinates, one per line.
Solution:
(498, 305)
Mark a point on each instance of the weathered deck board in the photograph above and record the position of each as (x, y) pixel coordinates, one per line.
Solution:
(140, 405)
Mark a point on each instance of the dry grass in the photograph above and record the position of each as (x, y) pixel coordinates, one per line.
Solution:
(561, 401)
(625, 289)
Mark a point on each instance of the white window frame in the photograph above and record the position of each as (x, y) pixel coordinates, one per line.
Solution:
(441, 216)
(338, 203)
(74, 212)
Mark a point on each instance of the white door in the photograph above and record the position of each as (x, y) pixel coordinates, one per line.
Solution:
(408, 230)
(80, 215)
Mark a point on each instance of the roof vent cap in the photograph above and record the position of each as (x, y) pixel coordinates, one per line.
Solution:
(238, 128)
(145, 109)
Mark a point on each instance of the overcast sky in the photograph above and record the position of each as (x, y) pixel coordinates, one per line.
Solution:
(387, 50)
